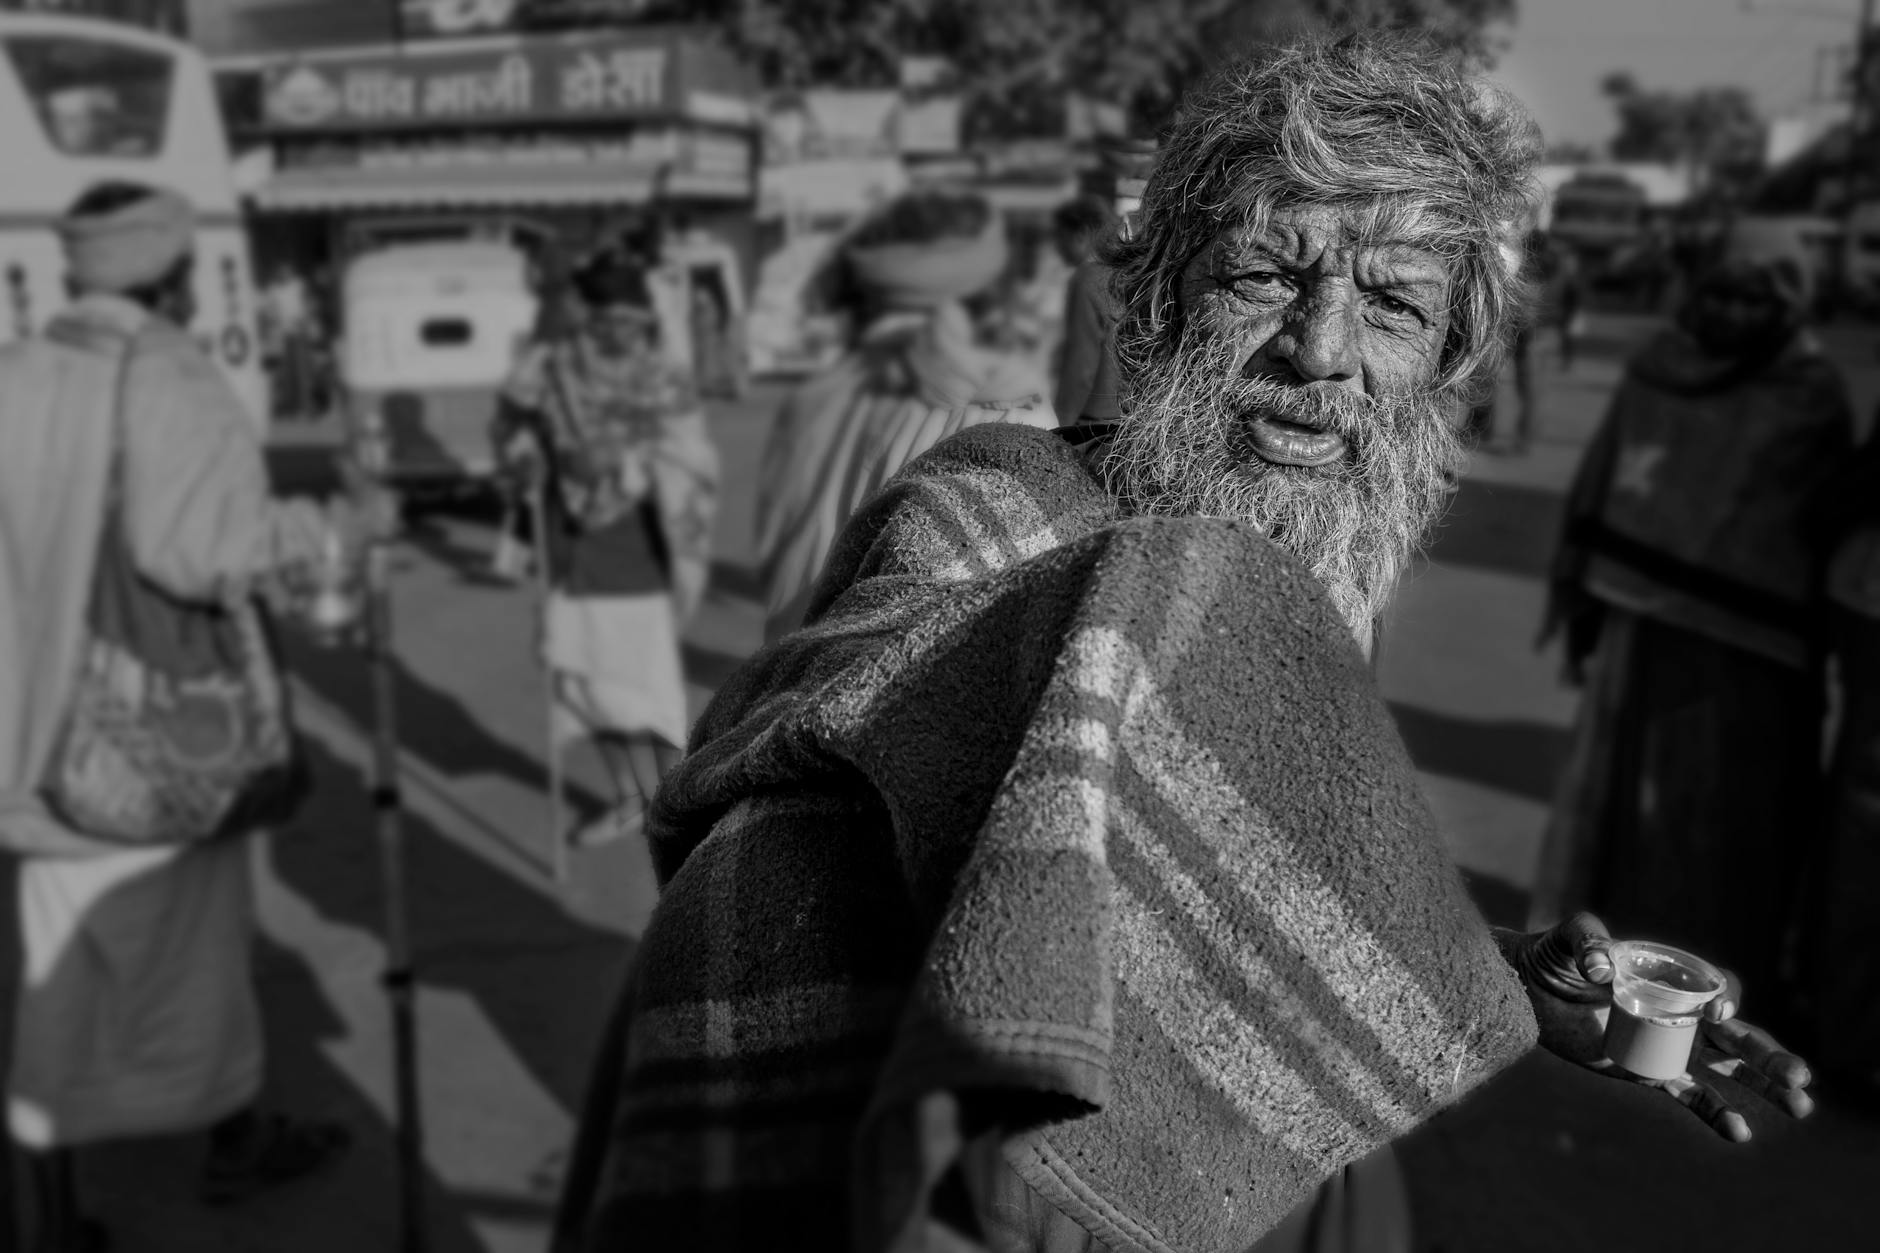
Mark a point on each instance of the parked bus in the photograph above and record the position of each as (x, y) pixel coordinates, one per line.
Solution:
(85, 101)
(1598, 215)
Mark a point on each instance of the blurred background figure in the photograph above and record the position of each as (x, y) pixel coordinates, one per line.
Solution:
(1086, 386)
(287, 332)
(717, 336)
(1077, 226)
(1554, 286)
(610, 431)
(918, 279)
(137, 1012)
(1563, 293)
(1687, 590)
(1839, 950)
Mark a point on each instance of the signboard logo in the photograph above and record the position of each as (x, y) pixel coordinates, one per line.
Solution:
(303, 97)
(457, 17)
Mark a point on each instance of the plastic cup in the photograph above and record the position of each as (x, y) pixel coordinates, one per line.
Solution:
(1658, 999)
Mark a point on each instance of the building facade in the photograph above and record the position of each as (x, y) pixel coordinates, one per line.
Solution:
(168, 16)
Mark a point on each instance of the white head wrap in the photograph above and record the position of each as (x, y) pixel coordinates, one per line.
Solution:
(131, 246)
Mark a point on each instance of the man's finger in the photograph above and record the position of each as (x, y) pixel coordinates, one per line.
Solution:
(1760, 1050)
(1727, 1002)
(1708, 1104)
(1793, 1101)
(1590, 942)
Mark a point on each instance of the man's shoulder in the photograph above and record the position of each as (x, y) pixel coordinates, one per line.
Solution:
(970, 505)
(1011, 446)
(164, 354)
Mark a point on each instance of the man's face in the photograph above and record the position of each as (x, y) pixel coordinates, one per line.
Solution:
(1741, 315)
(620, 329)
(1302, 398)
(180, 300)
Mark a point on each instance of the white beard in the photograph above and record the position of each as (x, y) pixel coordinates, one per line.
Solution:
(1183, 450)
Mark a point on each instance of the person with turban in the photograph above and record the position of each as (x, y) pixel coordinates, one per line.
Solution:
(137, 1013)
(610, 428)
(1688, 588)
(916, 372)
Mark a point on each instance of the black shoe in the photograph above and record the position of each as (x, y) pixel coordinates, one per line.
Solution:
(275, 1150)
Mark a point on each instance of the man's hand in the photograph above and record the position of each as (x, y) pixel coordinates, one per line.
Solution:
(521, 465)
(366, 511)
(1568, 974)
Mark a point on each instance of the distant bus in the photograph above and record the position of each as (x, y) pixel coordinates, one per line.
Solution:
(1599, 215)
(83, 102)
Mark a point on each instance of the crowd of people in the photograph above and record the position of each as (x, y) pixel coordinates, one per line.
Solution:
(1055, 877)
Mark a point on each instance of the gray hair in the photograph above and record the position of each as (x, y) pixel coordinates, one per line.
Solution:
(1384, 123)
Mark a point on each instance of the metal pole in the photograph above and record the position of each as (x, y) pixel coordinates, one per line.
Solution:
(1856, 113)
(557, 837)
(398, 979)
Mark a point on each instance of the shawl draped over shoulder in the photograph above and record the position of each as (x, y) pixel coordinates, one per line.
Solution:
(1093, 830)
(911, 381)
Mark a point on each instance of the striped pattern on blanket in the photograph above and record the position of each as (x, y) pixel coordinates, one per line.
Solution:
(1098, 823)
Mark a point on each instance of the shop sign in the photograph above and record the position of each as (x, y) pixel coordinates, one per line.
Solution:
(537, 80)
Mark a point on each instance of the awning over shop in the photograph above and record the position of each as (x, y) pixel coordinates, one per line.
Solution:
(317, 190)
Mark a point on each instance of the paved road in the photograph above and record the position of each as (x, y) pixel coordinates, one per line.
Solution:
(516, 969)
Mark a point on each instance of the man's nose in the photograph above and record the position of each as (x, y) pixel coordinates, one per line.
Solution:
(1320, 340)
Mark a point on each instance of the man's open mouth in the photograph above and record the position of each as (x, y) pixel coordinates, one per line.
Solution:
(1293, 442)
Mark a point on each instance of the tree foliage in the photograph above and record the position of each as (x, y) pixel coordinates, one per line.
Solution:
(1015, 59)
(1715, 130)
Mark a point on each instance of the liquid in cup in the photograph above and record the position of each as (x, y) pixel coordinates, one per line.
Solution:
(1658, 999)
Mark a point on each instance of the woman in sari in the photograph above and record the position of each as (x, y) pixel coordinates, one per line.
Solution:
(612, 432)
(1688, 590)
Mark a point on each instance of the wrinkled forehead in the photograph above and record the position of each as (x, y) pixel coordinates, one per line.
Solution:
(1390, 241)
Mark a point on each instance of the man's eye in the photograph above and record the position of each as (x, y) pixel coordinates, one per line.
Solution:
(1260, 284)
(1392, 307)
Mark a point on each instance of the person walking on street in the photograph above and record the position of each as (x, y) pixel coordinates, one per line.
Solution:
(611, 430)
(1087, 386)
(135, 1011)
(1687, 591)
(1564, 297)
(917, 371)
(1551, 273)
(1838, 948)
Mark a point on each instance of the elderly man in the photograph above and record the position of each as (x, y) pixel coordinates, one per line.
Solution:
(1063, 883)
(134, 1008)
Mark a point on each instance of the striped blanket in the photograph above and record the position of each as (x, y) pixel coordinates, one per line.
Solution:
(1097, 824)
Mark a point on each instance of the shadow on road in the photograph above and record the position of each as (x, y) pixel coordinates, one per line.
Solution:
(145, 1188)
(433, 724)
(542, 978)
(1521, 758)
(1499, 527)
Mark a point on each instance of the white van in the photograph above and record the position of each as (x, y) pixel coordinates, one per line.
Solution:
(84, 102)
(429, 334)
